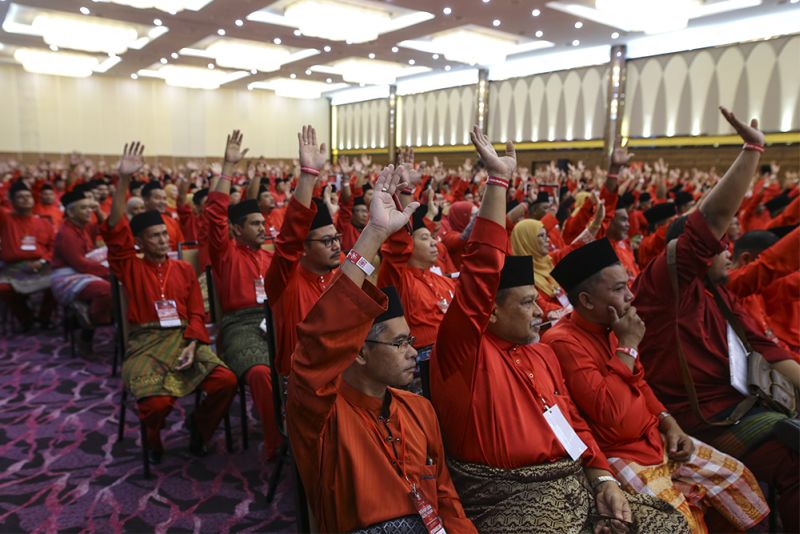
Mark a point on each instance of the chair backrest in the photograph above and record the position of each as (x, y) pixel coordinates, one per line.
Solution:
(188, 252)
(120, 312)
(214, 302)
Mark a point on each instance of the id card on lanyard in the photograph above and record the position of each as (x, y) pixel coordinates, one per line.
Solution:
(166, 309)
(564, 432)
(28, 243)
(261, 293)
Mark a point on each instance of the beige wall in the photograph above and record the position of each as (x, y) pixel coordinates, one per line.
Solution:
(54, 114)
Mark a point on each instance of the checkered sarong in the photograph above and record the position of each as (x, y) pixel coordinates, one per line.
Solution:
(709, 479)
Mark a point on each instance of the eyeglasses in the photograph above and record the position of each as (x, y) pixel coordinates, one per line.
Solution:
(327, 241)
(409, 341)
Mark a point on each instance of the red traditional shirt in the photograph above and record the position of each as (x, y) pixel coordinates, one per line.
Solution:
(24, 237)
(72, 244)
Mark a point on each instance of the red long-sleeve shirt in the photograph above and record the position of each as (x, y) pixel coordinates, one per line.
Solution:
(617, 403)
(236, 266)
(701, 324)
(30, 231)
(142, 280)
(336, 437)
(488, 391)
(72, 244)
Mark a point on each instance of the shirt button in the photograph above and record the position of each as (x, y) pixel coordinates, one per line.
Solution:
(516, 361)
(530, 375)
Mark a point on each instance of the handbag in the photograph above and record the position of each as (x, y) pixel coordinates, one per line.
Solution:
(765, 385)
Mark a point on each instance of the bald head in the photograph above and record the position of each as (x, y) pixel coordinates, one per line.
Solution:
(135, 207)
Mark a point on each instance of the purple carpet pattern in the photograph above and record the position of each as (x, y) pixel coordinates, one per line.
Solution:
(61, 468)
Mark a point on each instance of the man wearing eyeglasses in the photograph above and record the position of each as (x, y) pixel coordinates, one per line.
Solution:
(370, 456)
(307, 253)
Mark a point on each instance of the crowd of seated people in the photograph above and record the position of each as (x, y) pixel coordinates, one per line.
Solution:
(481, 349)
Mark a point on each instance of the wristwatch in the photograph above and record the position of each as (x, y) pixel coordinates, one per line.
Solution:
(633, 353)
(605, 478)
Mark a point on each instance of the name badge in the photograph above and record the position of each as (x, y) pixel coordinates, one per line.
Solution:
(261, 294)
(432, 521)
(737, 356)
(167, 312)
(562, 299)
(573, 444)
(436, 270)
(28, 243)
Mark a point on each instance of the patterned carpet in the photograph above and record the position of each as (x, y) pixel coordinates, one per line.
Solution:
(63, 470)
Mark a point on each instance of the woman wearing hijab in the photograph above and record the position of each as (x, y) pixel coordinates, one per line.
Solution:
(459, 217)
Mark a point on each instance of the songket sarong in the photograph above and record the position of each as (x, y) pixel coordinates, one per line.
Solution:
(67, 283)
(242, 342)
(709, 479)
(149, 366)
(23, 281)
(410, 524)
(547, 498)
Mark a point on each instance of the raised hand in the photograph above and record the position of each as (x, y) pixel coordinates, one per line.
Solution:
(131, 160)
(233, 152)
(311, 155)
(500, 166)
(620, 156)
(750, 134)
(344, 165)
(384, 217)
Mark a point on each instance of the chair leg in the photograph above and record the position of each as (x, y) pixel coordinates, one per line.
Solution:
(116, 355)
(773, 514)
(243, 415)
(66, 324)
(72, 351)
(122, 406)
(228, 435)
(275, 476)
(145, 451)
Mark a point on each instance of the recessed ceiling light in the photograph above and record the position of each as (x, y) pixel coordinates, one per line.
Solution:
(619, 53)
(54, 48)
(308, 72)
(615, 35)
(395, 49)
(411, 62)
(326, 48)
(447, 67)
(328, 80)
(793, 1)
(211, 66)
(578, 25)
(220, 32)
(239, 22)
(85, 10)
(348, 41)
(163, 61)
(496, 23)
(539, 34)
(371, 55)
(536, 12)
(362, 84)
(174, 55)
(486, 1)
(293, 76)
(447, 11)
(253, 71)
(435, 56)
(157, 22)
(134, 76)
(576, 42)
(297, 33)
(277, 40)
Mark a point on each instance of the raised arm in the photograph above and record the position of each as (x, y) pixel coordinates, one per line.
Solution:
(129, 164)
(233, 155)
(723, 201)
(312, 158)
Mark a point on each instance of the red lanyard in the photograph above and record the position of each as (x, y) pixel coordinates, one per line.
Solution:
(398, 461)
(163, 281)
(256, 257)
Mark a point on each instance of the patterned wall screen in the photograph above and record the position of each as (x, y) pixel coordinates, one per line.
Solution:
(678, 94)
(362, 125)
(437, 118)
(565, 105)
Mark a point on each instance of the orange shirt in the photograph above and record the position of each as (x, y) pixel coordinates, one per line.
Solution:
(490, 393)
(337, 440)
(174, 231)
(18, 233)
(617, 403)
(292, 290)
(143, 281)
(425, 295)
(625, 255)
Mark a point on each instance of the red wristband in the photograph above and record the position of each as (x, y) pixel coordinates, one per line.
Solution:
(309, 170)
(754, 147)
(612, 175)
(494, 180)
(223, 177)
(359, 261)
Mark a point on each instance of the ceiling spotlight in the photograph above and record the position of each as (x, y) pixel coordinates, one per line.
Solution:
(447, 11)
(134, 76)
(615, 35)
(174, 55)
(328, 80)
(496, 23)
(220, 32)
(293, 76)
(54, 48)
(539, 34)
(619, 53)
(395, 49)
(211, 66)
(308, 72)
(157, 22)
(435, 56)
(447, 67)
(576, 42)
(326, 48)
(536, 12)
(486, 1)
(277, 40)
(163, 61)
(362, 84)
(411, 62)
(239, 22)
(85, 10)
(297, 33)
(253, 71)
(371, 55)
(578, 25)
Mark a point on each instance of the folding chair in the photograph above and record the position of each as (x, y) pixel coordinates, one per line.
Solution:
(123, 329)
(215, 308)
